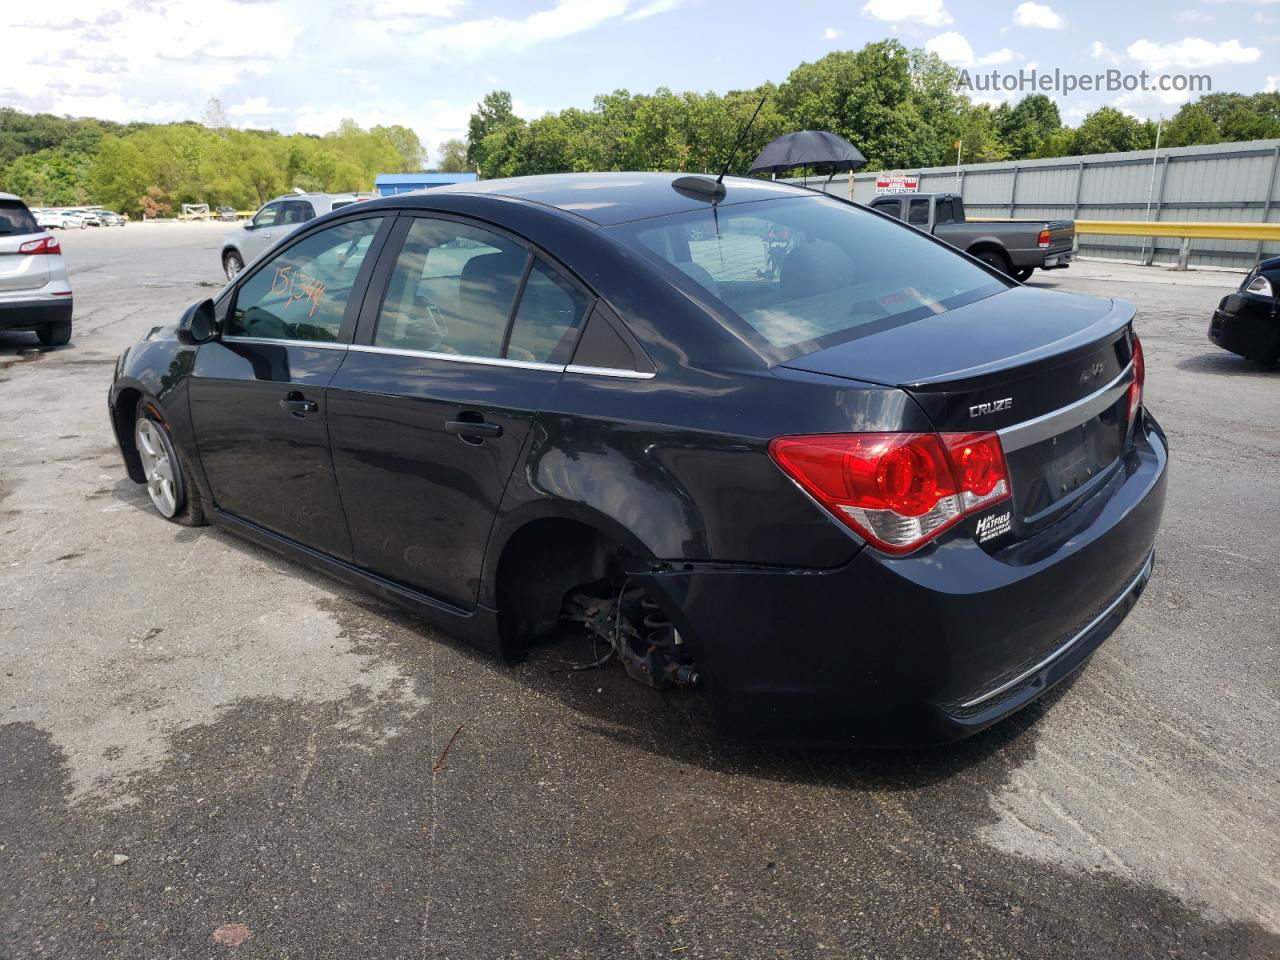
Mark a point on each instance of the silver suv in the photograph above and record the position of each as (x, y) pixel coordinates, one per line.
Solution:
(277, 219)
(34, 291)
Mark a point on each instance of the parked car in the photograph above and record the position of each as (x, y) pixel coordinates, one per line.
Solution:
(1247, 322)
(276, 220)
(88, 218)
(109, 218)
(227, 213)
(50, 219)
(860, 500)
(35, 293)
(1015, 247)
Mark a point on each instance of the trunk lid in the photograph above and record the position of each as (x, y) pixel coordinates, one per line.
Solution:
(1048, 371)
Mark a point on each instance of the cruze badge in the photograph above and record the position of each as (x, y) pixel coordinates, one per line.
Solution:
(993, 525)
(995, 406)
(1091, 373)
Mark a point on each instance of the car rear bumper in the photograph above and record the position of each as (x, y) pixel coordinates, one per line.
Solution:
(19, 314)
(926, 648)
(1253, 334)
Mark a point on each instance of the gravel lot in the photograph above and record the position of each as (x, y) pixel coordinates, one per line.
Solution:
(268, 748)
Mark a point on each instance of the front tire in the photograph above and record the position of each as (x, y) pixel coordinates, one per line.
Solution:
(168, 481)
(232, 264)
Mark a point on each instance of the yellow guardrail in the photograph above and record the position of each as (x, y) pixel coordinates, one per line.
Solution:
(1186, 230)
(1190, 229)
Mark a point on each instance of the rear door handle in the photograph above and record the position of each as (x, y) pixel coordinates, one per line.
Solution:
(472, 428)
(296, 405)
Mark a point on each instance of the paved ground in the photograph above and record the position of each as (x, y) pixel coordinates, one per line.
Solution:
(271, 751)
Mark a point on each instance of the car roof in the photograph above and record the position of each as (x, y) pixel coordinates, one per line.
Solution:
(610, 198)
(9, 196)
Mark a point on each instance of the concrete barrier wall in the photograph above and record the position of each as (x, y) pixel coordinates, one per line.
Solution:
(1234, 182)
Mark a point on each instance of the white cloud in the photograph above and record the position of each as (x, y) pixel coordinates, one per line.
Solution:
(1191, 52)
(1273, 84)
(653, 9)
(931, 13)
(413, 9)
(955, 49)
(1038, 15)
(1100, 51)
(831, 33)
(471, 38)
(253, 107)
(952, 47)
(998, 57)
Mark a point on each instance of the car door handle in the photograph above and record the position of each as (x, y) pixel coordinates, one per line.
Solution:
(472, 428)
(296, 405)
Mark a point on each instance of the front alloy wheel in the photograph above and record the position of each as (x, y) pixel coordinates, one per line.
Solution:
(160, 464)
(232, 264)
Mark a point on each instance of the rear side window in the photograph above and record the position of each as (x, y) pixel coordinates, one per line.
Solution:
(301, 293)
(15, 219)
(918, 215)
(296, 211)
(841, 272)
(452, 291)
(550, 312)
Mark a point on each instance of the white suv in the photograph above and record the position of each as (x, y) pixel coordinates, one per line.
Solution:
(277, 219)
(34, 291)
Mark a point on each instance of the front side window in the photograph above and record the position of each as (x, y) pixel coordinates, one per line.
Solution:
(302, 292)
(266, 217)
(795, 275)
(452, 291)
(892, 208)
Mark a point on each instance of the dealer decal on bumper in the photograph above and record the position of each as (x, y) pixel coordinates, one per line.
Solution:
(994, 525)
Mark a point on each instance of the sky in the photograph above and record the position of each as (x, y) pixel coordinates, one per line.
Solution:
(302, 65)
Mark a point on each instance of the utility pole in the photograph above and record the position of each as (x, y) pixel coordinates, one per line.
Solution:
(1151, 187)
(958, 144)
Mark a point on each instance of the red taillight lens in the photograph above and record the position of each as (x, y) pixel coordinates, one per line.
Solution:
(897, 490)
(1139, 379)
(1045, 238)
(43, 245)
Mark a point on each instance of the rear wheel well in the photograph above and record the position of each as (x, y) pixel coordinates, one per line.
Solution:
(542, 562)
(126, 413)
(994, 248)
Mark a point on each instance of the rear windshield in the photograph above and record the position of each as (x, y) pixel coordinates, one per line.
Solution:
(16, 218)
(801, 274)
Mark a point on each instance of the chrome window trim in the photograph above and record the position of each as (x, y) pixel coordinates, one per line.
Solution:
(459, 358)
(618, 372)
(319, 344)
(1051, 424)
(1143, 575)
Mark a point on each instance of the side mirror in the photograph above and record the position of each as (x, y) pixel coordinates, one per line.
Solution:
(197, 324)
(248, 224)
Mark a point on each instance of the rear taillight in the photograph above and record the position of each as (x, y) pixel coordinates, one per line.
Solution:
(1045, 238)
(897, 490)
(1139, 379)
(43, 245)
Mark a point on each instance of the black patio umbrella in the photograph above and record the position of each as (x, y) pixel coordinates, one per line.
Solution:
(824, 151)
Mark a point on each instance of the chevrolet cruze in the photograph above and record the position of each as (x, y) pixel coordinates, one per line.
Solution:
(853, 485)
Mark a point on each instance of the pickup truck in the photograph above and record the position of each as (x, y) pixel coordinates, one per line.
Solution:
(1015, 247)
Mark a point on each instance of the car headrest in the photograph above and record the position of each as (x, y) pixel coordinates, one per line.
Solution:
(814, 267)
(488, 283)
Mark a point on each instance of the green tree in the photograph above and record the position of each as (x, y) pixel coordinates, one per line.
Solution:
(1024, 126)
(493, 115)
(411, 153)
(1107, 130)
(453, 156)
(1192, 124)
